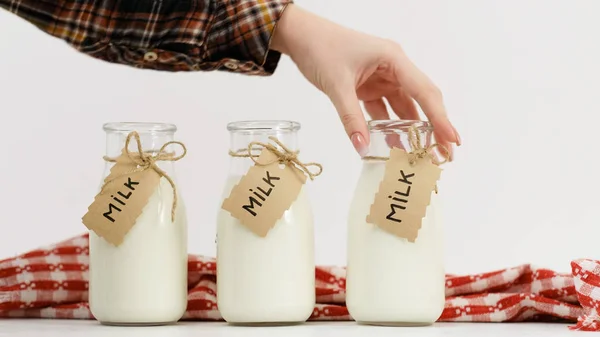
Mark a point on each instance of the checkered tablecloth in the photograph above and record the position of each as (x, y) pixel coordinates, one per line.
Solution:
(52, 283)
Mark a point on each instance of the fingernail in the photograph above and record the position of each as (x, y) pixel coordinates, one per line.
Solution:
(359, 144)
(458, 141)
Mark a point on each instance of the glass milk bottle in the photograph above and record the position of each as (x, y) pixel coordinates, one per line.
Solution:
(271, 279)
(142, 281)
(391, 281)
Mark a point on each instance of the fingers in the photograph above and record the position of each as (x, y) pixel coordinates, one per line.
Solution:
(418, 86)
(441, 141)
(376, 109)
(403, 105)
(375, 87)
(348, 107)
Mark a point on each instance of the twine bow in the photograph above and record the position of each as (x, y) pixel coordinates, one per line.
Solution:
(418, 151)
(146, 160)
(286, 157)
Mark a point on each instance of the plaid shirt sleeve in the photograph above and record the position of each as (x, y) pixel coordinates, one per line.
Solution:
(169, 35)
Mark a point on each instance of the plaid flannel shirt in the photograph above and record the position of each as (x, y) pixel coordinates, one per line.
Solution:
(170, 35)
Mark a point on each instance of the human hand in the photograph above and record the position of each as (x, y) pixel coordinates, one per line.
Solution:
(349, 66)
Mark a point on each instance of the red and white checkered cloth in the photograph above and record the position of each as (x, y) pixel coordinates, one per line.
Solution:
(52, 283)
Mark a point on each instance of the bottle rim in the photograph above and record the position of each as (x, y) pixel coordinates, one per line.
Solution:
(263, 126)
(142, 127)
(391, 125)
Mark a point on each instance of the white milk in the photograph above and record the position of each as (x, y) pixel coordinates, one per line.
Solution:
(390, 280)
(143, 280)
(270, 279)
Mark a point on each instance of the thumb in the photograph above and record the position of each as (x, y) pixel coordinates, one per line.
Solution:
(348, 107)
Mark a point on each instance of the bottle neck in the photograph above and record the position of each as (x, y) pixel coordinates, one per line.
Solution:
(383, 141)
(239, 141)
(151, 142)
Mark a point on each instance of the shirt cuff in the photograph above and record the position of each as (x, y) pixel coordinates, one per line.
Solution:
(240, 33)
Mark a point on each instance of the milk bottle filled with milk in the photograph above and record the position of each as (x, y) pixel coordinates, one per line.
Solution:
(265, 259)
(138, 229)
(395, 253)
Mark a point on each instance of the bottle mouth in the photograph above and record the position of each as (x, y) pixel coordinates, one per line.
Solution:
(403, 125)
(258, 126)
(141, 127)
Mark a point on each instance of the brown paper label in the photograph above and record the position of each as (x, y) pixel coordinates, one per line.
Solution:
(404, 194)
(116, 209)
(264, 194)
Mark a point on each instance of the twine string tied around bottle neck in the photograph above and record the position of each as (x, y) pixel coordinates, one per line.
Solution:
(418, 150)
(284, 156)
(147, 160)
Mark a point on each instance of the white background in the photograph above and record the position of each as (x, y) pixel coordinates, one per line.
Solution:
(520, 80)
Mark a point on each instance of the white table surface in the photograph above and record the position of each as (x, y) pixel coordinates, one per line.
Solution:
(75, 328)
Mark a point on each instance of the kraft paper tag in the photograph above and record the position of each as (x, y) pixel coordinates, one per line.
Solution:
(116, 209)
(404, 194)
(261, 197)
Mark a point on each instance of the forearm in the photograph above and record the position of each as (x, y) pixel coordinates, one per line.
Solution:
(294, 31)
(171, 35)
